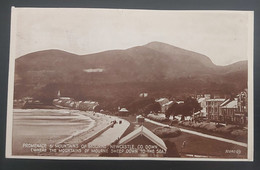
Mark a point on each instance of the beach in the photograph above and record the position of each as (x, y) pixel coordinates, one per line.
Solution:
(38, 131)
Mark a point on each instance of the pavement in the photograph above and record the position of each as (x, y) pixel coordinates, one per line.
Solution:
(200, 134)
(111, 135)
(106, 138)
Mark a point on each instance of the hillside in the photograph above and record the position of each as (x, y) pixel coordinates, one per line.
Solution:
(120, 75)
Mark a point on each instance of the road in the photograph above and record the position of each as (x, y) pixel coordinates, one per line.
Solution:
(200, 134)
(112, 134)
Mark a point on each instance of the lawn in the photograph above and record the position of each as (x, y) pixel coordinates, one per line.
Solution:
(196, 145)
(218, 134)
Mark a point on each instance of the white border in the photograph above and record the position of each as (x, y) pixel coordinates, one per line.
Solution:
(9, 123)
(250, 148)
(250, 101)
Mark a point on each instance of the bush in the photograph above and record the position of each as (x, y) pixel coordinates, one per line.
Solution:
(226, 129)
(203, 125)
(186, 123)
(210, 127)
(175, 121)
(196, 125)
(239, 133)
(167, 132)
(156, 118)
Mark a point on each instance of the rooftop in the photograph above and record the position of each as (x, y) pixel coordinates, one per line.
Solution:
(215, 100)
(147, 133)
(170, 102)
(161, 99)
(65, 98)
(123, 110)
(230, 105)
(225, 102)
(201, 99)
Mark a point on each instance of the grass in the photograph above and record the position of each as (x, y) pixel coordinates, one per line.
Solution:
(164, 132)
(218, 134)
(203, 146)
(210, 132)
(196, 145)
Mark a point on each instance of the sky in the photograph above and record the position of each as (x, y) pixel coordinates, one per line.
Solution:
(223, 36)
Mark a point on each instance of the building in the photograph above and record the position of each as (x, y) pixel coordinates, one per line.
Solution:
(166, 106)
(202, 101)
(212, 108)
(86, 105)
(123, 112)
(227, 111)
(143, 95)
(144, 143)
(235, 112)
(241, 114)
(62, 102)
(140, 119)
(165, 103)
(162, 101)
(179, 102)
(221, 115)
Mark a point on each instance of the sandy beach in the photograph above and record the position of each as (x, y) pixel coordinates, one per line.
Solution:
(59, 128)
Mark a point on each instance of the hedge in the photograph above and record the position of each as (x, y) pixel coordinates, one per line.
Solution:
(167, 132)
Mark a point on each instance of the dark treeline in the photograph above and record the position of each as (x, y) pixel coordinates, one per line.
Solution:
(121, 94)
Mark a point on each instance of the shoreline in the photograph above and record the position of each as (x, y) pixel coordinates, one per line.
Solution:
(97, 125)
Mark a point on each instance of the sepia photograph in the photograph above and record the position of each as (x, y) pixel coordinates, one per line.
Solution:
(130, 84)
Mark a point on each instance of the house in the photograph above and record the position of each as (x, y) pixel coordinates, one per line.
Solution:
(165, 103)
(63, 101)
(235, 111)
(212, 108)
(143, 95)
(77, 104)
(87, 105)
(144, 143)
(139, 119)
(162, 101)
(241, 114)
(202, 101)
(227, 111)
(166, 106)
(180, 102)
(123, 112)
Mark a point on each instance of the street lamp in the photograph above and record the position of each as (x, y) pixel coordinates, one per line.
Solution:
(183, 146)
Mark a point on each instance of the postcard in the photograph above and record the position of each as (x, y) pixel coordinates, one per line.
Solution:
(130, 84)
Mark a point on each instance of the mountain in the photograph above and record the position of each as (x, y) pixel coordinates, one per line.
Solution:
(157, 68)
(180, 55)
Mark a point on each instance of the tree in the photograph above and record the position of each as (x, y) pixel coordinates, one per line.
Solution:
(97, 108)
(192, 105)
(140, 104)
(153, 107)
(171, 111)
(187, 108)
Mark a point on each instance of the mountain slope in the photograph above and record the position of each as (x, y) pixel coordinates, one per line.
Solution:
(157, 68)
(180, 55)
